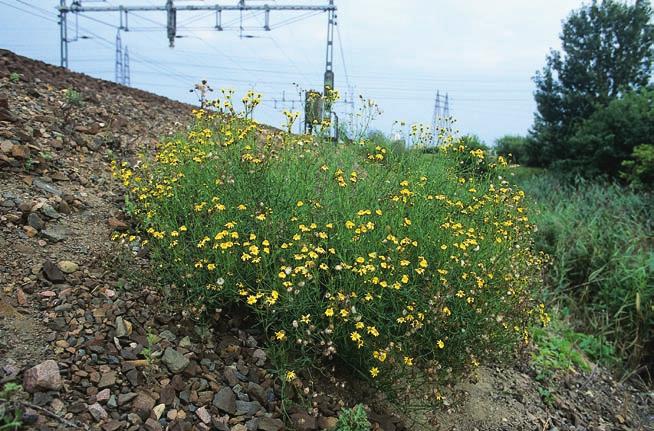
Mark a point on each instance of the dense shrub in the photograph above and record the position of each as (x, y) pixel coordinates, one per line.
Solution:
(600, 239)
(639, 170)
(474, 142)
(388, 260)
(514, 148)
(610, 135)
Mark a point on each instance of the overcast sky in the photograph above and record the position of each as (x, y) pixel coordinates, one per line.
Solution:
(483, 53)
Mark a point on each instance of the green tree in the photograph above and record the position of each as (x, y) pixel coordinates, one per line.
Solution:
(640, 170)
(513, 148)
(607, 50)
(610, 135)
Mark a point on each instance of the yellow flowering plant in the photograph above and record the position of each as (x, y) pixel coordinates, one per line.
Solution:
(388, 260)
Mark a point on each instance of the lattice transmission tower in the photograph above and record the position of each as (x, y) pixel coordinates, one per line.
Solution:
(441, 122)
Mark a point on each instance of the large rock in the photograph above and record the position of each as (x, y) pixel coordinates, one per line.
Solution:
(270, 424)
(123, 327)
(175, 361)
(20, 151)
(42, 376)
(6, 146)
(98, 412)
(203, 415)
(52, 272)
(67, 266)
(143, 405)
(225, 400)
(46, 186)
(35, 221)
(247, 408)
(107, 379)
(55, 233)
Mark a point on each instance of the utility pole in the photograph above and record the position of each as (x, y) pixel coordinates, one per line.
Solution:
(329, 54)
(63, 34)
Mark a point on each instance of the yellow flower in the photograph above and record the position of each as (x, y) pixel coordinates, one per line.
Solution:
(374, 372)
(440, 344)
(290, 376)
(211, 266)
(408, 361)
(299, 204)
(280, 335)
(252, 299)
(329, 312)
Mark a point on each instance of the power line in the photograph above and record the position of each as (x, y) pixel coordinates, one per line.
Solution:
(28, 11)
(340, 49)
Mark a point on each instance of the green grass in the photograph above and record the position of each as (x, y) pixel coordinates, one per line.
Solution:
(559, 348)
(600, 237)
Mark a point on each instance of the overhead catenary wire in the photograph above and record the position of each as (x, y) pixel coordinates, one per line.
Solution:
(29, 12)
(344, 64)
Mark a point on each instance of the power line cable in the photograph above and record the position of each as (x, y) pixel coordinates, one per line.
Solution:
(29, 12)
(340, 49)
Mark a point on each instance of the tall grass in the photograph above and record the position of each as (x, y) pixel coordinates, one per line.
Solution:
(601, 240)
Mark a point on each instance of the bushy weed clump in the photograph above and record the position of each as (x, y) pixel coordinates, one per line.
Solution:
(354, 419)
(600, 237)
(390, 261)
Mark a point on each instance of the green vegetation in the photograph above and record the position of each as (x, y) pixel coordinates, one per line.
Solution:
(14, 77)
(392, 262)
(72, 97)
(591, 112)
(559, 348)
(640, 169)
(354, 419)
(514, 148)
(599, 236)
(610, 136)
(474, 142)
(10, 413)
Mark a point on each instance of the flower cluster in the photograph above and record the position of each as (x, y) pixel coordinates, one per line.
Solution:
(389, 260)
